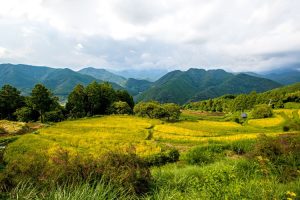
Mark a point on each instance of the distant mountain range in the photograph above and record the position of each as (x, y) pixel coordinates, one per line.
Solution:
(176, 86)
(60, 81)
(103, 74)
(142, 74)
(198, 84)
(285, 77)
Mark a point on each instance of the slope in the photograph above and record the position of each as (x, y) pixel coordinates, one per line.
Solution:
(103, 74)
(198, 84)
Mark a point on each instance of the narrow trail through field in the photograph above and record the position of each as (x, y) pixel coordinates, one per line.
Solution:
(150, 132)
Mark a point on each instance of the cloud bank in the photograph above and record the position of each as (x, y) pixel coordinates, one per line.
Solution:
(236, 35)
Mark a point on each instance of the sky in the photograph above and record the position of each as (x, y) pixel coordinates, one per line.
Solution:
(235, 35)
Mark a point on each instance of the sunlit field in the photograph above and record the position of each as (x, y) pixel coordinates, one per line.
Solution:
(277, 120)
(222, 143)
(146, 136)
(97, 135)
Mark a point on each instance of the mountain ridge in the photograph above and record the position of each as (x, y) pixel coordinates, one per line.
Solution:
(198, 84)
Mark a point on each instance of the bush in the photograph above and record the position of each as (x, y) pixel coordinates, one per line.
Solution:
(200, 155)
(280, 155)
(242, 146)
(54, 116)
(26, 114)
(63, 166)
(262, 111)
(153, 109)
(120, 107)
(169, 156)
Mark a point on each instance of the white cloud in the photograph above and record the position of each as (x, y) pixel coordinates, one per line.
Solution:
(235, 35)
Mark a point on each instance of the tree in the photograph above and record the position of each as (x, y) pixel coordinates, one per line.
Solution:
(94, 98)
(108, 96)
(77, 105)
(100, 97)
(262, 111)
(26, 114)
(123, 95)
(42, 100)
(121, 107)
(153, 109)
(10, 101)
(172, 111)
(54, 116)
(146, 109)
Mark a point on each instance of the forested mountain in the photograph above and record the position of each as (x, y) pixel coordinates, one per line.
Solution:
(135, 86)
(198, 84)
(60, 81)
(283, 97)
(176, 86)
(142, 74)
(284, 77)
(103, 74)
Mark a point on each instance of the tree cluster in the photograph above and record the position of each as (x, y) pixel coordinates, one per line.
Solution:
(98, 99)
(153, 109)
(242, 102)
(94, 99)
(41, 104)
(262, 111)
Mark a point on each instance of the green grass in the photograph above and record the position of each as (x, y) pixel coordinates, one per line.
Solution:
(229, 173)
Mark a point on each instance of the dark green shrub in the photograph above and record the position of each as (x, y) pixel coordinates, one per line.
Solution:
(62, 167)
(26, 114)
(153, 109)
(54, 116)
(280, 155)
(169, 156)
(126, 170)
(241, 146)
(262, 111)
(120, 107)
(199, 155)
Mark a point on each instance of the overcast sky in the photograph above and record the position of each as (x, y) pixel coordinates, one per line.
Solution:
(236, 35)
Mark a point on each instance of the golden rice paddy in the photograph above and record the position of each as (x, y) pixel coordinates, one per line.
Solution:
(142, 135)
(268, 122)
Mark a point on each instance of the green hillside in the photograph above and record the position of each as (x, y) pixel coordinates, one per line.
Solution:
(103, 74)
(60, 81)
(135, 86)
(285, 77)
(198, 84)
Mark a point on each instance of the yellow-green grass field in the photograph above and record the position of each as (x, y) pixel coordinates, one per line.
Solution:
(224, 173)
(145, 136)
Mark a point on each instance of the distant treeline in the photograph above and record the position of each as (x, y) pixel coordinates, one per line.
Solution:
(232, 103)
(94, 99)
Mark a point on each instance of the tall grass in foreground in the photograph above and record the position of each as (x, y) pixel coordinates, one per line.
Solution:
(235, 179)
(85, 191)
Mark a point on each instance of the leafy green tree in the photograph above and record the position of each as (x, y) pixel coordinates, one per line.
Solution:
(108, 96)
(262, 111)
(10, 101)
(94, 98)
(120, 107)
(100, 97)
(123, 95)
(153, 109)
(56, 115)
(77, 104)
(26, 114)
(172, 111)
(42, 100)
(147, 109)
